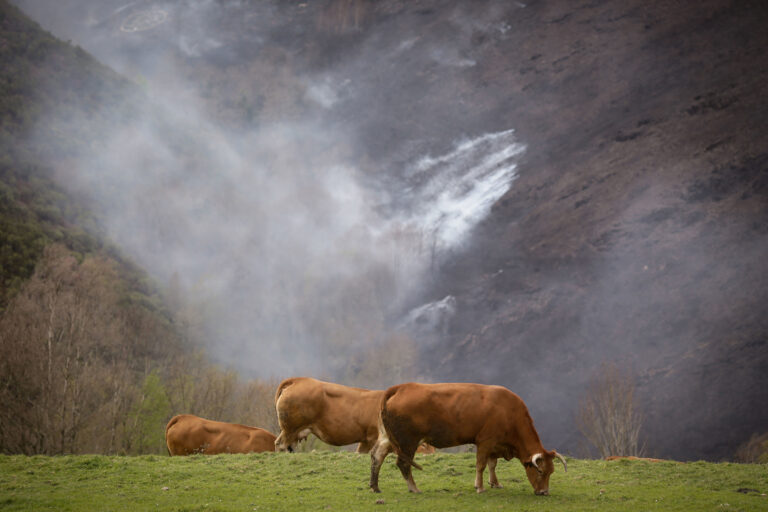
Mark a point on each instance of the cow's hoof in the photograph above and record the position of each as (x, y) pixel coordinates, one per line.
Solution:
(375, 489)
(497, 486)
(480, 490)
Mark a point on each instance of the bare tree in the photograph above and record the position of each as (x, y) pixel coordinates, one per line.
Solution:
(340, 16)
(195, 386)
(255, 405)
(755, 450)
(53, 329)
(90, 366)
(608, 415)
(75, 353)
(390, 362)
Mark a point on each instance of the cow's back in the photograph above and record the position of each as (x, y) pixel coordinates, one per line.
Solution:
(261, 440)
(360, 406)
(447, 414)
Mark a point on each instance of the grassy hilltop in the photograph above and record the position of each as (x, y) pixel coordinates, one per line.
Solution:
(339, 481)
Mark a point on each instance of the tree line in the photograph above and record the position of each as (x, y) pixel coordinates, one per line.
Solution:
(95, 362)
(88, 368)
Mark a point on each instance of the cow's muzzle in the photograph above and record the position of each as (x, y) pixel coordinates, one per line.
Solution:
(545, 492)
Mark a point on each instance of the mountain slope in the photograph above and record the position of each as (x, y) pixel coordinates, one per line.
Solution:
(635, 231)
(638, 229)
(37, 73)
(93, 359)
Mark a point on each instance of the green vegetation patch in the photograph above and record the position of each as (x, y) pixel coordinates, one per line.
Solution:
(339, 481)
(41, 76)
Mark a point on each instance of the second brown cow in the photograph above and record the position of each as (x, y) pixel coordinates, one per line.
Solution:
(337, 414)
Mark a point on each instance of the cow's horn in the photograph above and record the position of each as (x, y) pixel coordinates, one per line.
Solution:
(562, 459)
(533, 460)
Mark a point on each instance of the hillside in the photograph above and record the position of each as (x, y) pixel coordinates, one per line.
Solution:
(342, 144)
(35, 211)
(638, 229)
(95, 357)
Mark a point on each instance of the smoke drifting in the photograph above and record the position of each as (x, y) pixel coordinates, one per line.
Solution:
(291, 250)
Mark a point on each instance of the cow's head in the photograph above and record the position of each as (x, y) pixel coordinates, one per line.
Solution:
(539, 467)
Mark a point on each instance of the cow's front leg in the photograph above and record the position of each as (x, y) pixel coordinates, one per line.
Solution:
(492, 473)
(482, 458)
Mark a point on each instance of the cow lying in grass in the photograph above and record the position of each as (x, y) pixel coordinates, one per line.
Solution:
(187, 434)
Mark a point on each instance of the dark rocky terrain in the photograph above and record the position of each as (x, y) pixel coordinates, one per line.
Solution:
(636, 231)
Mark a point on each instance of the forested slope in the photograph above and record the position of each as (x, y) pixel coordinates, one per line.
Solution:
(93, 359)
(35, 211)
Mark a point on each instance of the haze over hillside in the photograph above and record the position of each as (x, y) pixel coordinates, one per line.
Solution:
(502, 192)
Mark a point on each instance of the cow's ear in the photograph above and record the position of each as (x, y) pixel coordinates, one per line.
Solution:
(534, 461)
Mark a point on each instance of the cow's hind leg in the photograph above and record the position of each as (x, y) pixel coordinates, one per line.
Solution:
(405, 468)
(364, 447)
(279, 443)
(404, 464)
(379, 452)
(492, 473)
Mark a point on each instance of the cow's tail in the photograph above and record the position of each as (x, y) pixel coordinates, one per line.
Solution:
(284, 384)
(171, 423)
(386, 434)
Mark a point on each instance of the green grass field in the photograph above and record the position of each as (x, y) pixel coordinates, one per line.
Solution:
(338, 481)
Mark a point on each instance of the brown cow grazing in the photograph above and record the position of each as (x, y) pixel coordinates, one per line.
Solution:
(339, 415)
(492, 418)
(187, 434)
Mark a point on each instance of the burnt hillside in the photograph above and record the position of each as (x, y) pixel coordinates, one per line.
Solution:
(638, 229)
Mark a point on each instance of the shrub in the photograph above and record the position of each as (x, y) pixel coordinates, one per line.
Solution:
(608, 415)
(755, 450)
